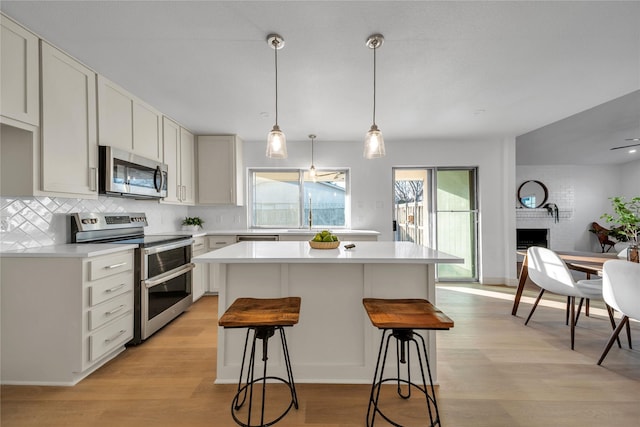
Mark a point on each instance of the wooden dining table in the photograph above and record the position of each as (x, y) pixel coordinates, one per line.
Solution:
(586, 262)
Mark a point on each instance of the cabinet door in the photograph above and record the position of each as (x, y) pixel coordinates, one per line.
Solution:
(19, 73)
(219, 170)
(115, 115)
(69, 134)
(187, 171)
(147, 131)
(171, 150)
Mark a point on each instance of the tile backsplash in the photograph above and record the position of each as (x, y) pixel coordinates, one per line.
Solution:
(29, 222)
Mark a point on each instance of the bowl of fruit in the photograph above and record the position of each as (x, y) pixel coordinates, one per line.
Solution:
(324, 240)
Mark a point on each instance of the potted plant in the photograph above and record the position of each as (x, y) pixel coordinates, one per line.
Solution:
(627, 215)
(193, 223)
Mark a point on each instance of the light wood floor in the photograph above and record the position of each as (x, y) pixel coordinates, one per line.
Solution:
(493, 372)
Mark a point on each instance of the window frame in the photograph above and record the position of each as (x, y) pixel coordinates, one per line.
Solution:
(301, 196)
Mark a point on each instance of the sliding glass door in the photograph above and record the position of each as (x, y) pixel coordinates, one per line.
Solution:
(437, 207)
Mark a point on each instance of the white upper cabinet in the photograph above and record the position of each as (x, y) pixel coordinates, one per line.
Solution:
(178, 146)
(19, 92)
(127, 122)
(220, 170)
(69, 156)
(171, 148)
(187, 166)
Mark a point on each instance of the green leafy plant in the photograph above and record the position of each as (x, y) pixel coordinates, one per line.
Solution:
(194, 220)
(627, 215)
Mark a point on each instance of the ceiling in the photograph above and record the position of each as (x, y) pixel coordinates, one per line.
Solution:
(448, 70)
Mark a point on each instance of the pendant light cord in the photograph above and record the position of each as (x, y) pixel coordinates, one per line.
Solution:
(275, 48)
(374, 84)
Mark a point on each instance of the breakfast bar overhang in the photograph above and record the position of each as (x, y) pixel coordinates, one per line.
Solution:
(334, 342)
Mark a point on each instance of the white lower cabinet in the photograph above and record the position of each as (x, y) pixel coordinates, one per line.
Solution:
(64, 317)
(213, 243)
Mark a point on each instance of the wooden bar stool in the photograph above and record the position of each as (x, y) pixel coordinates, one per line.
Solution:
(398, 318)
(263, 317)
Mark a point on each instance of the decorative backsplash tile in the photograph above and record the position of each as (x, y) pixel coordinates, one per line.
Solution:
(29, 222)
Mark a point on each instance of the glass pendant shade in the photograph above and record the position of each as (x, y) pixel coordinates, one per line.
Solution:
(276, 144)
(374, 143)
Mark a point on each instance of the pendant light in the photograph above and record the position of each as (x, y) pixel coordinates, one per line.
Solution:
(312, 169)
(374, 143)
(276, 141)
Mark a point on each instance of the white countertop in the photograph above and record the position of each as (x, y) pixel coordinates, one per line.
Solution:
(273, 231)
(300, 252)
(72, 250)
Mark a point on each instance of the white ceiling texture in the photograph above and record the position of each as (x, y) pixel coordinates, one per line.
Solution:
(448, 70)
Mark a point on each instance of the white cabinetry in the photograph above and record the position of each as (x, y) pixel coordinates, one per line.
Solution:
(60, 157)
(200, 274)
(178, 148)
(69, 156)
(213, 243)
(63, 317)
(19, 92)
(127, 122)
(220, 170)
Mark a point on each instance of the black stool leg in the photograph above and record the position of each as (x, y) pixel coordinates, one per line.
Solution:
(261, 333)
(404, 337)
(287, 362)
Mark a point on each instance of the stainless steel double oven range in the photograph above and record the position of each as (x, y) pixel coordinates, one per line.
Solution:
(163, 268)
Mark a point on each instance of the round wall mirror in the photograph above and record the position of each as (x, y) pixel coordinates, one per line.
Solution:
(532, 194)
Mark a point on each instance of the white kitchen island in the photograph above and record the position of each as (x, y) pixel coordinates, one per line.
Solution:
(334, 342)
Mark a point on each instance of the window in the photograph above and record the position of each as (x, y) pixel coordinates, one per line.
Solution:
(282, 198)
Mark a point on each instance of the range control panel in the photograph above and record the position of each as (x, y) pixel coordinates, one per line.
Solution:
(86, 221)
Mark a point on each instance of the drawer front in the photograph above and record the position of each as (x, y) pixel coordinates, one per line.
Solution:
(217, 242)
(110, 287)
(110, 337)
(199, 246)
(110, 310)
(108, 266)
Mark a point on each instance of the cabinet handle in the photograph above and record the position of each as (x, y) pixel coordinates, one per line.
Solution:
(198, 245)
(178, 193)
(221, 243)
(115, 288)
(115, 310)
(120, 264)
(113, 338)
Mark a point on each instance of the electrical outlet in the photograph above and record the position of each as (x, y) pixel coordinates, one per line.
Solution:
(5, 224)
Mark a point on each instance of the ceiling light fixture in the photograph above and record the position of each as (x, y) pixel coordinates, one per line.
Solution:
(276, 141)
(374, 143)
(312, 169)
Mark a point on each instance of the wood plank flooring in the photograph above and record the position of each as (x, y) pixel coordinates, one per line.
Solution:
(493, 371)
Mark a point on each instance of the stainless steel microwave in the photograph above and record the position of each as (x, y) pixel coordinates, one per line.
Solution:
(125, 174)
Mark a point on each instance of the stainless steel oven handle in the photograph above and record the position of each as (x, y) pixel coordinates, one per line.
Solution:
(168, 247)
(158, 280)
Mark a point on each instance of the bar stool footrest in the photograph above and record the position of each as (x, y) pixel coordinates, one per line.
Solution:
(235, 407)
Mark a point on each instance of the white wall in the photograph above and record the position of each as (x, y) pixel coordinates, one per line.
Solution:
(372, 192)
(582, 194)
(630, 179)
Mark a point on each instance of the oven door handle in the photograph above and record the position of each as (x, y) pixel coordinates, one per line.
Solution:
(158, 280)
(161, 248)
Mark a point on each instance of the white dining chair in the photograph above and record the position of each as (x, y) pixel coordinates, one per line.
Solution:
(550, 273)
(621, 290)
